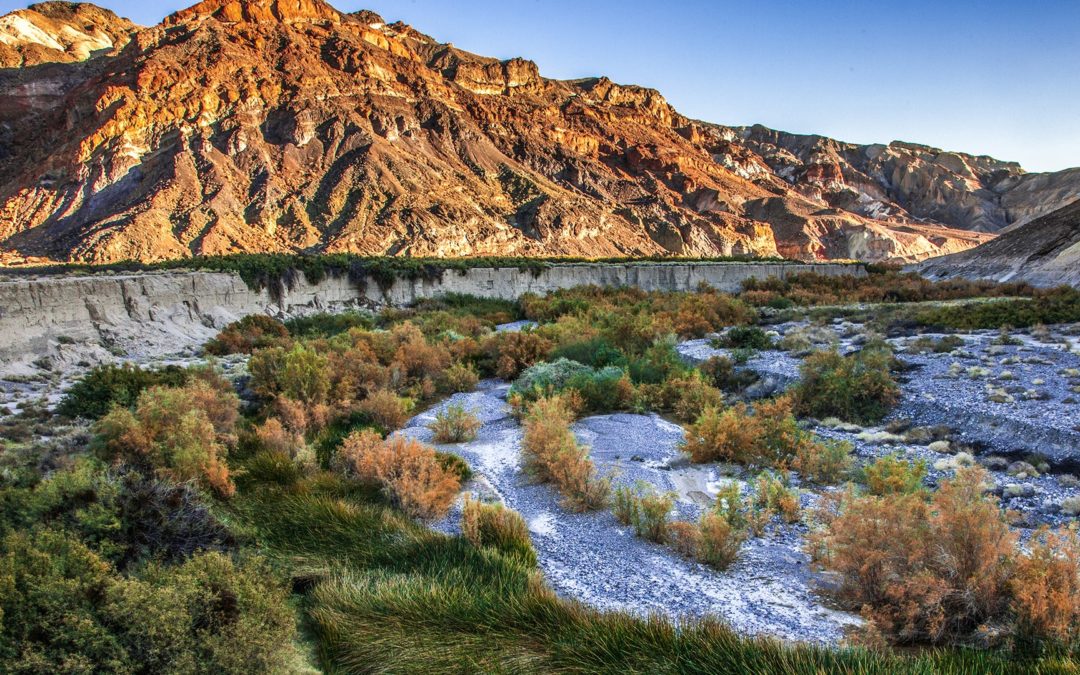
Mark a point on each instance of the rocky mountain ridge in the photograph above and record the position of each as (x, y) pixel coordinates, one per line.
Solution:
(1044, 252)
(286, 125)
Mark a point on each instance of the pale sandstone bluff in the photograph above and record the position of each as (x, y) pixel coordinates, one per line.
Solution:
(86, 318)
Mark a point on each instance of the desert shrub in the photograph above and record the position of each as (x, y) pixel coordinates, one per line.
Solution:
(745, 337)
(1045, 587)
(455, 465)
(595, 352)
(458, 378)
(659, 363)
(552, 454)
(924, 571)
(768, 436)
(409, 472)
(328, 325)
(512, 352)
(275, 438)
(855, 388)
(645, 509)
(823, 462)
(719, 541)
(254, 331)
(300, 373)
(772, 496)
(684, 538)
(499, 527)
(1050, 306)
(67, 610)
(599, 390)
(386, 409)
(96, 392)
(720, 372)
(454, 425)
(171, 431)
(892, 474)
(941, 345)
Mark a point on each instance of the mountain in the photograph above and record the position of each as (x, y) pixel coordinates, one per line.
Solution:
(286, 125)
(51, 32)
(1044, 252)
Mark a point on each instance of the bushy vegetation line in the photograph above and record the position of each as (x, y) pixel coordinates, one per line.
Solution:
(193, 523)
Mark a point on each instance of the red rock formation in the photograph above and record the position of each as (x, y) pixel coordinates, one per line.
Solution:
(285, 125)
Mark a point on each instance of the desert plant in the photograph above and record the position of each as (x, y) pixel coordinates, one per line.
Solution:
(745, 337)
(771, 495)
(458, 378)
(1045, 587)
(823, 462)
(855, 388)
(924, 570)
(719, 540)
(386, 409)
(93, 395)
(499, 527)
(171, 431)
(409, 472)
(454, 424)
(892, 474)
(645, 509)
(254, 331)
(553, 454)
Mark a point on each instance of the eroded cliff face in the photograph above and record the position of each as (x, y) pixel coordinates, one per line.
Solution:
(285, 125)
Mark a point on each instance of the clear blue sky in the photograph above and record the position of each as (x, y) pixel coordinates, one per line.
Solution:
(989, 77)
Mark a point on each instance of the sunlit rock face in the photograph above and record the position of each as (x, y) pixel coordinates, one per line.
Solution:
(286, 125)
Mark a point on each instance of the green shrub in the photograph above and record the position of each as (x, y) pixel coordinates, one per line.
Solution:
(855, 388)
(1060, 305)
(893, 474)
(499, 527)
(824, 462)
(660, 362)
(454, 425)
(721, 373)
(67, 610)
(300, 373)
(329, 325)
(598, 390)
(745, 337)
(96, 392)
(771, 495)
(596, 352)
(455, 465)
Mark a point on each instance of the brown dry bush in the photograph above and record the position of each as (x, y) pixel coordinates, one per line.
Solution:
(684, 538)
(552, 454)
(171, 431)
(409, 472)
(458, 378)
(386, 409)
(924, 571)
(1046, 590)
(255, 331)
(513, 352)
(719, 540)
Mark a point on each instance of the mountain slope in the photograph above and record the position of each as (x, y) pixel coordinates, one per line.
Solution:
(59, 32)
(1043, 252)
(285, 125)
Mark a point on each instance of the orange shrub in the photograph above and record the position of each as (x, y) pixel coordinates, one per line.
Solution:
(252, 332)
(513, 352)
(1046, 589)
(552, 454)
(408, 471)
(386, 409)
(172, 433)
(684, 538)
(924, 571)
(719, 541)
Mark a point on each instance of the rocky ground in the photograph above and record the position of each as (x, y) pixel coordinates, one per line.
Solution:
(591, 557)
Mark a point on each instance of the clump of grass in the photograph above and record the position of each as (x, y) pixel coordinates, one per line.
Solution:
(552, 454)
(104, 386)
(499, 527)
(454, 424)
